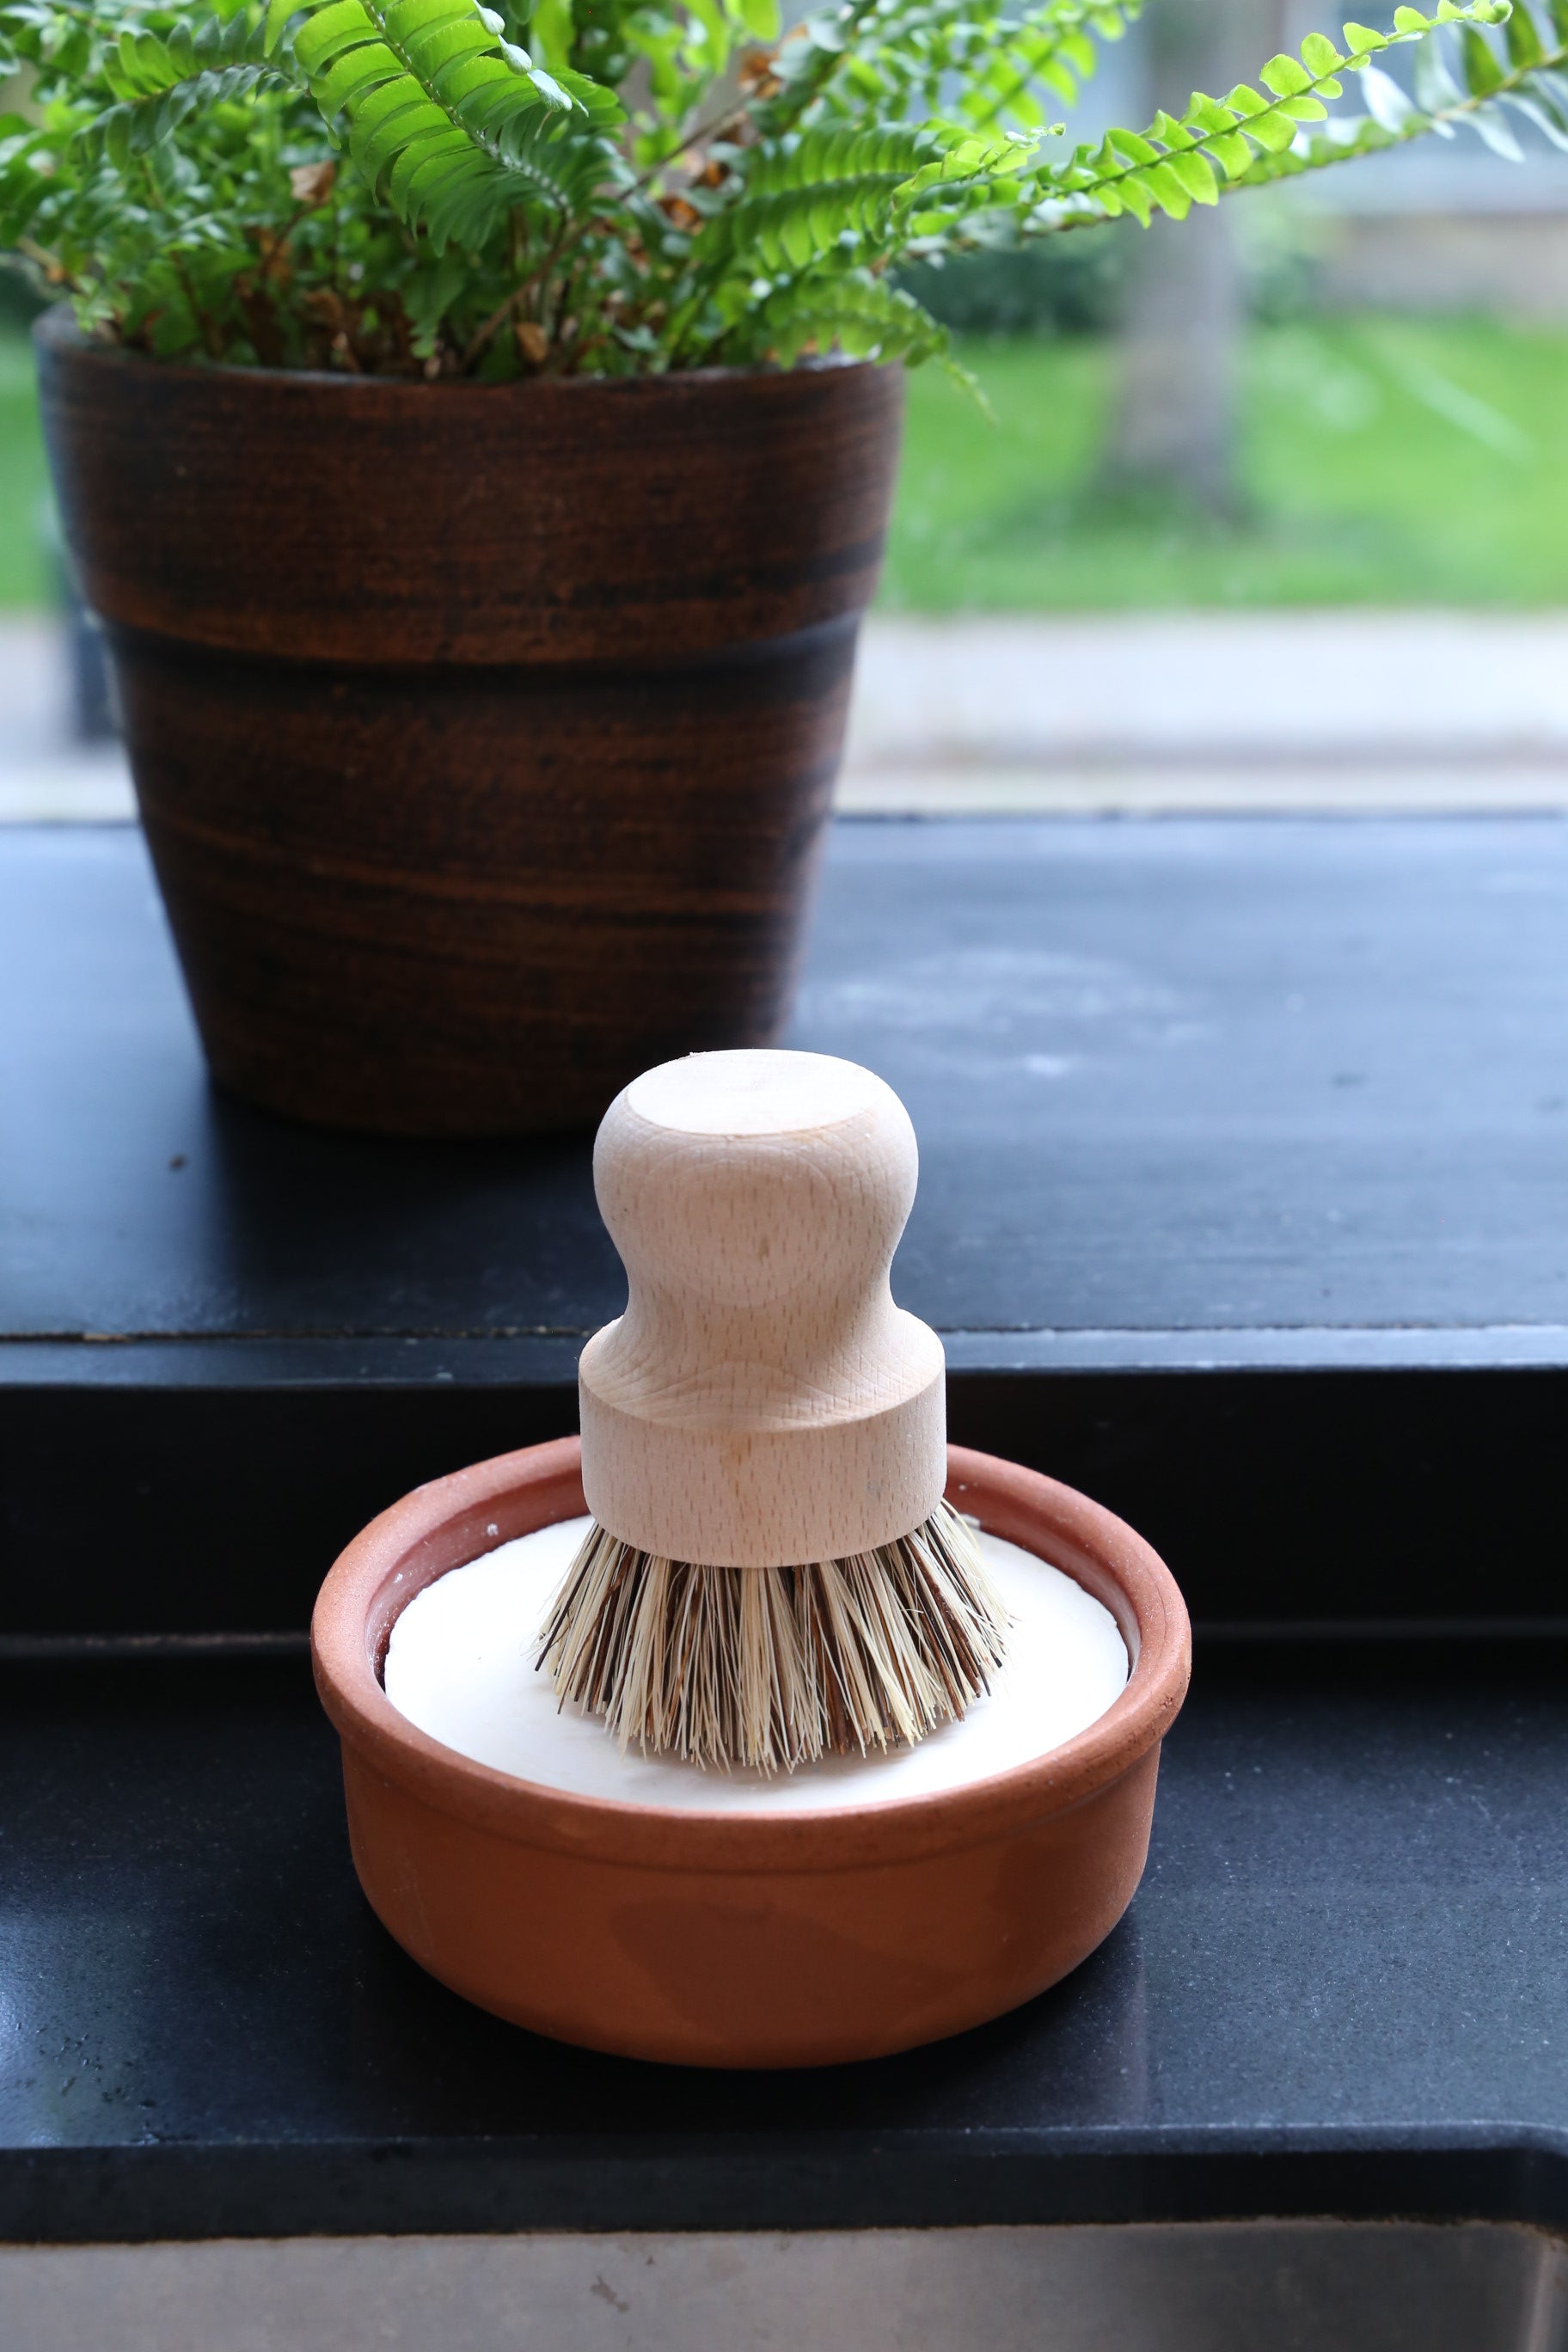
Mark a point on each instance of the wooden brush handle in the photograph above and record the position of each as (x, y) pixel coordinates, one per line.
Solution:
(762, 1403)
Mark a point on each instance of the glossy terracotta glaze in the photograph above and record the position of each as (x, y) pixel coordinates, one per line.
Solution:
(727, 1940)
(484, 735)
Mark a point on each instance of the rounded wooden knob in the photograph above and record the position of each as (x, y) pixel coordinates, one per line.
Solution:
(761, 1401)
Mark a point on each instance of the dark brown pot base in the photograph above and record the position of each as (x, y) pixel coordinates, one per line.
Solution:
(509, 890)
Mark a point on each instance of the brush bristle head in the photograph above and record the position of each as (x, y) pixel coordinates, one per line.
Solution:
(772, 1667)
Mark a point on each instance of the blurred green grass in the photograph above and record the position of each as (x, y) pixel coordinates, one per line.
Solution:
(1381, 461)
(26, 571)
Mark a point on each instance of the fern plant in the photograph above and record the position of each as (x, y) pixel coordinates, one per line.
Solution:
(447, 188)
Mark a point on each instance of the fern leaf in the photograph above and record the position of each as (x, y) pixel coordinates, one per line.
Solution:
(160, 81)
(1052, 50)
(858, 190)
(857, 314)
(1247, 136)
(874, 60)
(447, 114)
(1457, 83)
(23, 186)
(802, 194)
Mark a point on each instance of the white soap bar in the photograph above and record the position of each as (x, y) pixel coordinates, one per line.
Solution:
(460, 1667)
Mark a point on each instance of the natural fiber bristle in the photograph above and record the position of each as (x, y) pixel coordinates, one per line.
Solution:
(772, 1667)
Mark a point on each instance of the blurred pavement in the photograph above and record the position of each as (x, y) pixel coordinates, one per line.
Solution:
(1212, 711)
(44, 774)
(1143, 712)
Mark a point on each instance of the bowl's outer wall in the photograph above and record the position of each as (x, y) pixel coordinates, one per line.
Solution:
(767, 1968)
(787, 1951)
(484, 736)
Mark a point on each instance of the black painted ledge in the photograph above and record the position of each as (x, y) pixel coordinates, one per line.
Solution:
(1339, 1990)
(835, 2180)
(1245, 1177)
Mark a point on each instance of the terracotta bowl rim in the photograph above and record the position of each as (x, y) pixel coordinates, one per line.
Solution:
(57, 330)
(455, 1519)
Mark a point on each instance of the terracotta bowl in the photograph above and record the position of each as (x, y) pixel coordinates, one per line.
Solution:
(713, 1940)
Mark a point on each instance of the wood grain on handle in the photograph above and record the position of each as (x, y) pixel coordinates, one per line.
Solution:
(761, 1401)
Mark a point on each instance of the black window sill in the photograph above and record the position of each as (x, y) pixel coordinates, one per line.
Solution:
(1243, 1206)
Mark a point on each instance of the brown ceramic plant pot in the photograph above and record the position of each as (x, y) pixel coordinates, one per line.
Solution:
(796, 1939)
(484, 735)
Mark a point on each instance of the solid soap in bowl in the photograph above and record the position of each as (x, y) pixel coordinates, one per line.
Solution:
(460, 1667)
(744, 1938)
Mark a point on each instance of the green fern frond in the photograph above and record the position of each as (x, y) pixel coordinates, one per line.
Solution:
(161, 79)
(826, 189)
(738, 219)
(808, 63)
(1221, 142)
(805, 194)
(441, 109)
(857, 314)
(873, 61)
(23, 186)
(824, 159)
(550, 166)
(1470, 86)
(1052, 50)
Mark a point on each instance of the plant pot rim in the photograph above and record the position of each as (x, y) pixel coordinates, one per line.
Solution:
(55, 330)
(455, 1519)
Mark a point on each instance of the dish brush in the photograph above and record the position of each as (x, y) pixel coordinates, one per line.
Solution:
(773, 1574)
